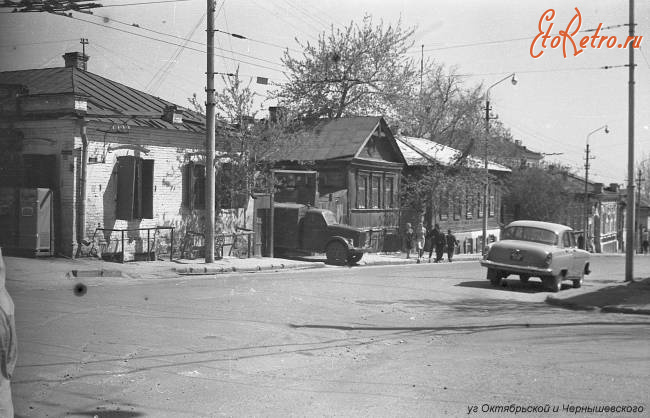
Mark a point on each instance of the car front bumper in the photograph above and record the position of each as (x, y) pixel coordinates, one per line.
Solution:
(529, 270)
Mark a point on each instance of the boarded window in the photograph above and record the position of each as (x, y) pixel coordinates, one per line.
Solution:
(134, 188)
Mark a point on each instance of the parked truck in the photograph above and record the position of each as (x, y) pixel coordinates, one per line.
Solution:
(305, 229)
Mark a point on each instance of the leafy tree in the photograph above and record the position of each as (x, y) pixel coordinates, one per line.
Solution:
(51, 6)
(358, 70)
(435, 189)
(538, 194)
(245, 144)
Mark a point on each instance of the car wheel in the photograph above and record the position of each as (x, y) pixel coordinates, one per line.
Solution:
(524, 278)
(577, 283)
(336, 253)
(494, 277)
(553, 283)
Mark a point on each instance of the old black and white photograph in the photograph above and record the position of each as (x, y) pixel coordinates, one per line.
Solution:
(303, 208)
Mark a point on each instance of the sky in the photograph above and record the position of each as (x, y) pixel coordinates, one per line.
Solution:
(158, 46)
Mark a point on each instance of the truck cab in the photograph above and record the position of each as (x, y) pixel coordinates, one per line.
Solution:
(307, 229)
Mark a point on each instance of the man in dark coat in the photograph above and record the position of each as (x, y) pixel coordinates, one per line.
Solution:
(437, 239)
(450, 241)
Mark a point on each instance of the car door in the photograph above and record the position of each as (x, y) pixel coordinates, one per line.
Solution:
(579, 256)
(571, 246)
(568, 251)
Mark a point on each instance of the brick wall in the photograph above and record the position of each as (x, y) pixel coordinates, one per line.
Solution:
(170, 151)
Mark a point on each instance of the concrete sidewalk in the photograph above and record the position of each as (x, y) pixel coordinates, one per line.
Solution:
(630, 298)
(50, 270)
(39, 273)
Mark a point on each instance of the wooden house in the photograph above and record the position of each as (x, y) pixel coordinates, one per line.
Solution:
(359, 167)
(463, 213)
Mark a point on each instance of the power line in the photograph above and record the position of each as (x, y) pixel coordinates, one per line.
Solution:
(501, 41)
(36, 43)
(176, 44)
(159, 77)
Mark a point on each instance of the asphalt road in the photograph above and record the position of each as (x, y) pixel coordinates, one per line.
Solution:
(413, 340)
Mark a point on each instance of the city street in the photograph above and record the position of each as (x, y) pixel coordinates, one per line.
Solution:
(410, 340)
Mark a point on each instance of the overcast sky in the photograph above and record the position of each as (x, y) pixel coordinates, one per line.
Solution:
(557, 102)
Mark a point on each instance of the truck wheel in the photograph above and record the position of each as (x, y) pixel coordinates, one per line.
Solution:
(354, 258)
(336, 253)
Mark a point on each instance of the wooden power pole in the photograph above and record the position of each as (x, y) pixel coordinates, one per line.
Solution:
(210, 139)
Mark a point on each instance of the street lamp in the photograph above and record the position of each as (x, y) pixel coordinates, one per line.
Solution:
(513, 80)
(585, 217)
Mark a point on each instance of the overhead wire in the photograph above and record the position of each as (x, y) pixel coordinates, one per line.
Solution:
(158, 78)
(187, 47)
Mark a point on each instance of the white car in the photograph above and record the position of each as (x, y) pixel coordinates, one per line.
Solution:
(537, 249)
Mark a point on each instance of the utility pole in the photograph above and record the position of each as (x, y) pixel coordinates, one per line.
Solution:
(637, 226)
(210, 139)
(629, 224)
(585, 214)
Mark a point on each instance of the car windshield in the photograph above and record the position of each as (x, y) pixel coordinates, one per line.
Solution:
(529, 233)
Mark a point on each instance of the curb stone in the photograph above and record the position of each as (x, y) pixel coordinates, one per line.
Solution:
(605, 309)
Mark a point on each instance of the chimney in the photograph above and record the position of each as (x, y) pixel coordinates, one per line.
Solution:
(518, 142)
(613, 187)
(171, 114)
(76, 59)
(598, 188)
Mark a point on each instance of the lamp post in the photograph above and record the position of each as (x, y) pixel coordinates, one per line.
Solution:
(513, 80)
(585, 213)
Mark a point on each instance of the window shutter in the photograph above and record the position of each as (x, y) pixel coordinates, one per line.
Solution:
(147, 189)
(187, 181)
(125, 187)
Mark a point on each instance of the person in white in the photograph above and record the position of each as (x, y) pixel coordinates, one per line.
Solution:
(8, 346)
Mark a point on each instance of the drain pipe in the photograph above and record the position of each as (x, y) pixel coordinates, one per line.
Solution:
(83, 176)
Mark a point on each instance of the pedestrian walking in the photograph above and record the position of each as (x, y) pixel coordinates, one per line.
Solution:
(645, 241)
(8, 348)
(437, 238)
(451, 243)
(420, 238)
(409, 237)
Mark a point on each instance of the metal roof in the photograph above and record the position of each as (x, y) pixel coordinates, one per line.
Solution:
(107, 100)
(329, 139)
(424, 152)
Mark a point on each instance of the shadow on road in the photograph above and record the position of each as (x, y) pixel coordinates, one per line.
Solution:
(512, 285)
(105, 414)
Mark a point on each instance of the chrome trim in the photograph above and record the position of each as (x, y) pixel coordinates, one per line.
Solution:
(516, 269)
